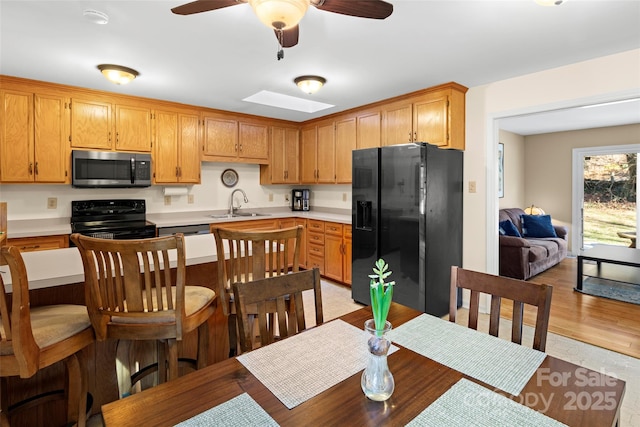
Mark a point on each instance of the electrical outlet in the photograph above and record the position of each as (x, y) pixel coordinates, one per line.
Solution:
(286, 198)
(271, 197)
(52, 203)
(167, 200)
(472, 186)
(344, 197)
(190, 199)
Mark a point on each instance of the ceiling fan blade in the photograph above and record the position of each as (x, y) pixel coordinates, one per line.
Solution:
(374, 9)
(199, 6)
(289, 37)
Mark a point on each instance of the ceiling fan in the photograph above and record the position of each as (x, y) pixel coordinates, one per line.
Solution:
(283, 16)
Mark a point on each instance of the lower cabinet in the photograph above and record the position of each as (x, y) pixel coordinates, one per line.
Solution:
(315, 245)
(337, 246)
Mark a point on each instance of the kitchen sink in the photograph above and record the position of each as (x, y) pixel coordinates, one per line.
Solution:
(238, 215)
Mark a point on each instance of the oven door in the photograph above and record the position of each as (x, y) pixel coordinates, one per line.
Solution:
(119, 233)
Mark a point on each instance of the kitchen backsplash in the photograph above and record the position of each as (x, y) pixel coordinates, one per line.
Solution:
(27, 201)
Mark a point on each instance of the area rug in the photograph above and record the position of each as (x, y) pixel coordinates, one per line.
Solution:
(611, 289)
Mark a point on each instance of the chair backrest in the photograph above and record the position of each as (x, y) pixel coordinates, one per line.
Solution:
(130, 281)
(16, 335)
(518, 291)
(279, 294)
(252, 255)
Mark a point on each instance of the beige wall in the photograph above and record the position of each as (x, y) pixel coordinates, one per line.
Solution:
(598, 80)
(548, 159)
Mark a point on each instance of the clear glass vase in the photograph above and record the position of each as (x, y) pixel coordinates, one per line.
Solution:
(377, 381)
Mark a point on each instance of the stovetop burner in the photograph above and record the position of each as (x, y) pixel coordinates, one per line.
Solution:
(111, 219)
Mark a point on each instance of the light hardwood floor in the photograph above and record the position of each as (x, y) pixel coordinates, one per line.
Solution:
(598, 321)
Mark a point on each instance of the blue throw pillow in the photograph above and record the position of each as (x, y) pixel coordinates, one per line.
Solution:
(507, 228)
(537, 226)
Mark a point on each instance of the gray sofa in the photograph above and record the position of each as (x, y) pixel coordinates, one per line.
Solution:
(524, 257)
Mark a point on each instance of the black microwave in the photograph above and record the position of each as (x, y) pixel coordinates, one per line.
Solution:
(110, 169)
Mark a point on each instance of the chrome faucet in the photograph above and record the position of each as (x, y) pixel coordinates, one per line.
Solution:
(231, 208)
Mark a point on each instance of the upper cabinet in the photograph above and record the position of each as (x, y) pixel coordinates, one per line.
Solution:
(436, 116)
(93, 127)
(33, 142)
(227, 139)
(345, 144)
(369, 129)
(317, 151)
(284, 165)
(177, 148)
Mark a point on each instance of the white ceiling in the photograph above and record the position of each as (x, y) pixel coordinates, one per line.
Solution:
(216, 59)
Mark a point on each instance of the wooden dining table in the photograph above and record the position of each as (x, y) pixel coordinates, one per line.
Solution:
(563, 391)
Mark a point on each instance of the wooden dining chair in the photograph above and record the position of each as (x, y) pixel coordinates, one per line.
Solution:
(134, 294)
(518, 291)
(34, 338)
(281, 295)
(252, 255)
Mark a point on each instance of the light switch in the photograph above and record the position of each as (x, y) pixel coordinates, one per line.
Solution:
(190, 199)
(167, 200)
(271, 197)
(472, 186)
(52, 203)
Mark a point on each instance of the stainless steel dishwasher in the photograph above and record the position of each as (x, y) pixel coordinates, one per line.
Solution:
(184, 229)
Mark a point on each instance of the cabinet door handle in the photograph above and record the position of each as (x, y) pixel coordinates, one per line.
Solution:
(30, 168)
(415, 135)
(36, 168)
(409, 136)
(117, 138)
(177, 173)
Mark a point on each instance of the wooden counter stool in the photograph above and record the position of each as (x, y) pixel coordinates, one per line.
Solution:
(133, 294)
(244, 256)
(34, 338)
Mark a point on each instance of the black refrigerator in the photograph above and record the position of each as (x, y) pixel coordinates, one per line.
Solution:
(407, 209)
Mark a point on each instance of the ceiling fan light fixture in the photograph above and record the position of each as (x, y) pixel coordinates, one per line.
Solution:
(310, 84)
(280, 14)
(117, 73)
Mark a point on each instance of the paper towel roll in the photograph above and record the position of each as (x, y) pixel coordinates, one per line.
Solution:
(175, 191)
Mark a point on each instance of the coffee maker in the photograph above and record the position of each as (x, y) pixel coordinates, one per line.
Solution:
(299, 199)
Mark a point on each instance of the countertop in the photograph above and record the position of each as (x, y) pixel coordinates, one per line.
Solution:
(57, 226)
(64, 266)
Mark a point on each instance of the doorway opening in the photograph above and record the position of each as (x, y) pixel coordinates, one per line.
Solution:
(605, 194)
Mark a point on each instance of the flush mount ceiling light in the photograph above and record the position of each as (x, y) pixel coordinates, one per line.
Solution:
(310, 84)
(96, 16)
(117, 73)
(550, 2)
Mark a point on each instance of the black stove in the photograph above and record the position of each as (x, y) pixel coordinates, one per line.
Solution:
(111, 219)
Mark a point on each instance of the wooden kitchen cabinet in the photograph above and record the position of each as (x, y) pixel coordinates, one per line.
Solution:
(40, 243)
(33, 142)
(93, 127)
(318, 153)
(133, 128)
(315, 245)
(231, 140)
(345, 143)
(436, 116)
(250, 225)
(177, 148)
(337, 244)
(284, 165)
(369, 129)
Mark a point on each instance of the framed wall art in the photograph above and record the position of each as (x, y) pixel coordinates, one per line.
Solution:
(500, 169)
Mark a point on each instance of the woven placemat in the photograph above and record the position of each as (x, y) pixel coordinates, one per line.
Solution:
(494, 361)
(470, 404)
(241, 411)
(304, 365)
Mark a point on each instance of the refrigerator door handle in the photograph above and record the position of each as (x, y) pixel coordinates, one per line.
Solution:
(363, 215)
